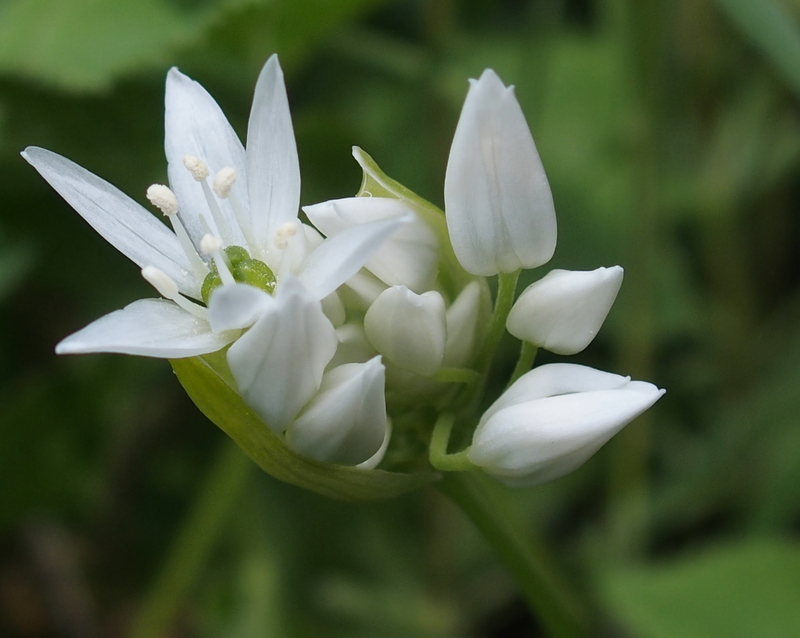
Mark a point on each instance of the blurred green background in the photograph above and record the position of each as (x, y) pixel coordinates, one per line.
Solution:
(670, 133)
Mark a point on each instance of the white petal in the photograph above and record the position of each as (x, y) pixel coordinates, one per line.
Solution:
(408, 329)
(554, 379)
(542, 440)
(340, 257)
(334, 309)
(462, 326)
(148, 327)
(499, 207)
(372, 462)
(272, 166)
(127, 226)
(361, 290)
(353, 347)
(409, 257)
(195, 125)
(346, 421)
(278, 363)
(236, 306)
(564, 310)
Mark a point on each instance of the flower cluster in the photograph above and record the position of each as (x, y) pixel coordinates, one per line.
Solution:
(366, 336)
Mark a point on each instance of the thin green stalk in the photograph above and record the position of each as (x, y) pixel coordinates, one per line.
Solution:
(457, 375)
(437, 451)
(527, 354)
(200, 530)
(506, 286)
(546, 590)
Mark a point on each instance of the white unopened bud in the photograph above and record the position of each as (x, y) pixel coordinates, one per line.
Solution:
(408, 329)
(563, 311)
(161, 281)
(462, 326)
(224, 181)
(345, 422)
(498, 205)
(196, 167)
(163, 199)
(553, 419)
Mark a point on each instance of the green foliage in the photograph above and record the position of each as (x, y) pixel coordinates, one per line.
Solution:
(733, 591)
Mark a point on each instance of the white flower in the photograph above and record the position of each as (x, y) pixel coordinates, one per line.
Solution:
(345, 422)
(409, 257)
(563, 311)
(498, 203)
(236, 238)
(408, 329)
(259, 215)
(553, 419)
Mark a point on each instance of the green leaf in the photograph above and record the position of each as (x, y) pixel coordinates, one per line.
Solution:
(739, 591)
(225, 408)
(771, 28)
(85, 44)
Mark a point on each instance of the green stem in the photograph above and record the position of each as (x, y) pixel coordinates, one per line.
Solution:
(527, 353)
(506, 286)
(437, 452)
(546, 590)
(201, 528)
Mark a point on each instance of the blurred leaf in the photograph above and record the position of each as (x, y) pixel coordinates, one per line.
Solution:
(16, 260)
(770, 27)
(84, 44)
(739, 591)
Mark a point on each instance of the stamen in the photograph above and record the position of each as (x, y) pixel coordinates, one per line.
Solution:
(196, 167)
(211, 245)
(223, 182)
(165, 200)
(167, 288)
(284, 234)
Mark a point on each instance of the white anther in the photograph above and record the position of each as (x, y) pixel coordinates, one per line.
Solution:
(210, 244)
(284, 234)
(161, 281)
(223, 182)
(196, 167)
(163, 199)
(168, 289)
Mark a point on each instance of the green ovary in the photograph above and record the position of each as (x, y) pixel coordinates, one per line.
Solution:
(244, 269)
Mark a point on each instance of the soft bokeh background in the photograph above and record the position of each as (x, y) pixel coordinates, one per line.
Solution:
(670, 133)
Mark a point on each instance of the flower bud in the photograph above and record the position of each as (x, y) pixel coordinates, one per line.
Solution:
(409, 257)
(462, 326)
(499, 208)
(345, 422)
(563, 311)
(408, 329)
(553, 419)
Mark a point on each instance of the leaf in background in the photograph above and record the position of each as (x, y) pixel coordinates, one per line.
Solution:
(82, 45)
(737, 591)
(770, 27)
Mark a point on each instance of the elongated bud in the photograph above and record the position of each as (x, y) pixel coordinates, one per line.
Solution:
(408, 329)
(553, 419)
(462, 326)
(345, 422)
(563, 311)
(498, 203)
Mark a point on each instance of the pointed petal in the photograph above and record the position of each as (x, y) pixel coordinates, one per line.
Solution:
(409, 257)
(346, 421)
(236, 306)
(128, 227)
(272, 165)
(541, 440)
(554, 379)
(498, 204)
(278, 363)
(148, 327)
(195, 125)
(340, 257)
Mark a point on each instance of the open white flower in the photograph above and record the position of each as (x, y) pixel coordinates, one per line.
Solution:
(552, 419)
(232, 230)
